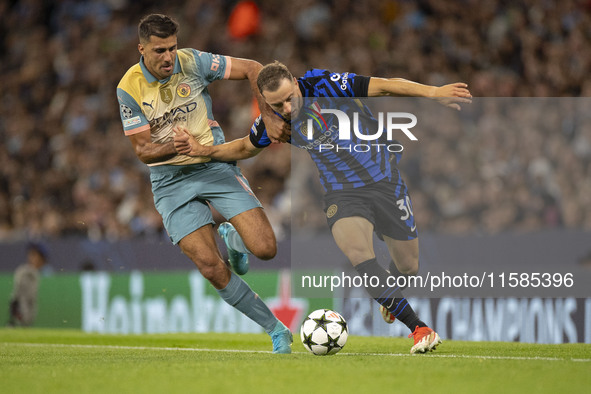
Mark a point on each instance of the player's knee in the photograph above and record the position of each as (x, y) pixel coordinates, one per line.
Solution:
(409, 266)
(410, 271)
(209, 264)
(212, 272)
(208, 272)
(266, 249)
(264, 246)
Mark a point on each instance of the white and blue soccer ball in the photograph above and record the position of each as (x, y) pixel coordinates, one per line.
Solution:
(324, 332)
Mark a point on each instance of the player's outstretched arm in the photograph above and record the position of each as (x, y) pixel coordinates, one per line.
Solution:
(451, 95)
(238, 149)
(277, 129)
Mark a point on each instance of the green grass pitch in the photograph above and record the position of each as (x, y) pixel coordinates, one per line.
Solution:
(64, 361)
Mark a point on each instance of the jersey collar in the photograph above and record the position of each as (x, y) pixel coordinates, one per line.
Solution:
(150, 78)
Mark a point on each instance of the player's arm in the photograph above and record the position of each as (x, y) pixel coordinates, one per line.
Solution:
(277, 129)
(137, 128)
(450, 95)
(238, 149)
(149, 152)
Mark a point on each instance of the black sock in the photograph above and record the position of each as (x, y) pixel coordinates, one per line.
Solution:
(395, 273)
(389, 297)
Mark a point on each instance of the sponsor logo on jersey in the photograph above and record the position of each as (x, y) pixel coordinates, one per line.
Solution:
(131, 122)
(344, 81)
(215, 62)
(345, 78)
(176, 114)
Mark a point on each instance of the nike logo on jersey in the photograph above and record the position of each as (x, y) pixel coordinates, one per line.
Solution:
(389, 307)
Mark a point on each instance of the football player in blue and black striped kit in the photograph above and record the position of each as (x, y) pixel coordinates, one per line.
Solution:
(363, 190)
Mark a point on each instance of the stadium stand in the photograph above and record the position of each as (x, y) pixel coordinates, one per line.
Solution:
(66, 167)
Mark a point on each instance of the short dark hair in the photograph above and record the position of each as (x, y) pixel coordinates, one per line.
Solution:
(271, 75)
(157, 25)
(39, 248)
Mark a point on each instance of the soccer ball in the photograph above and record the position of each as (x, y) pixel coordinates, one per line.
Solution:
(324, 332)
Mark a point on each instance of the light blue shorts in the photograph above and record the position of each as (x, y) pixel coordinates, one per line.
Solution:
(182, 194)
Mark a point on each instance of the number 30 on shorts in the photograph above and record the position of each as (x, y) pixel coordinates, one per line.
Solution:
(405, 206)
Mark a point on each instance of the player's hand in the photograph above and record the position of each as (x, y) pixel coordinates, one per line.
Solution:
(186, 144)
(277, 129)
(453, 95)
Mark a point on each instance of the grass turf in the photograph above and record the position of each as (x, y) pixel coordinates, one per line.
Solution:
(64, 361)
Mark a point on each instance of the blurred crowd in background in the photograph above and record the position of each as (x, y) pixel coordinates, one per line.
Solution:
(67, 168)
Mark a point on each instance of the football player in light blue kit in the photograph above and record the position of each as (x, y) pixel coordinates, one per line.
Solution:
(168, 88)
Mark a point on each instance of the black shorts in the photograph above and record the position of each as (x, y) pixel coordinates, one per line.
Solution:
(386, 205)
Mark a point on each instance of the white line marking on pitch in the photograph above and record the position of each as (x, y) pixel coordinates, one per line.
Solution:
(437, 355)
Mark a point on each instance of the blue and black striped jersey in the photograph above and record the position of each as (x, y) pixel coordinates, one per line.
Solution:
(343, 167)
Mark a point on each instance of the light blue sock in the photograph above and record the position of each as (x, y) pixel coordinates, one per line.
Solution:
(238, 294)
(235, 241)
